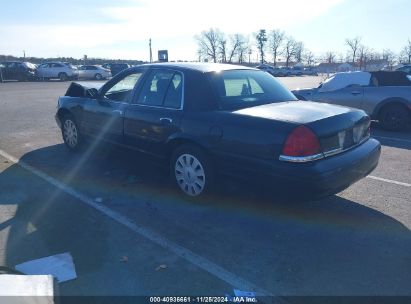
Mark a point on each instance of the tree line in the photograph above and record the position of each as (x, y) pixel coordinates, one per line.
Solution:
(216, 46)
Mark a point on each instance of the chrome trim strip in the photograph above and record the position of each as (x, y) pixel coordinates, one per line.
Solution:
(304, 159)
(301, 159)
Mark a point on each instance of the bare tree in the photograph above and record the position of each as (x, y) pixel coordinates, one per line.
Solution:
(363, 56)
(208, 43)
(222, 48)
(237, 42)
(289, 49)
(309, 58)
(405, 56)
(261, 38)
(275, 40)
(340, 57)
(330, 57)
(354, 45)
(388, 56)
(244, 49)
(298, 51)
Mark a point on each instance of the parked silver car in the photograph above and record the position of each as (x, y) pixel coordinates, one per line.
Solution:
(93, 72)
(266, 68)
(59, 70)
(385, 96)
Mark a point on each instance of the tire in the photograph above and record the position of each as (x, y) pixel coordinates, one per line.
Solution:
(394, 117)
(63, 76)
(71, 133)
(98, 76)
(191, 170)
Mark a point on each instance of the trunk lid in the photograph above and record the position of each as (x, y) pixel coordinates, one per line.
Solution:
(337, 128)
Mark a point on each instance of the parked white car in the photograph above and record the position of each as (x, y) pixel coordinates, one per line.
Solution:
(59, 70)
(93, 72)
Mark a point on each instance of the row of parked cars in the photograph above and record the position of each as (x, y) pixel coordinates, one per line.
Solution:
(288, 71)
(25, 71)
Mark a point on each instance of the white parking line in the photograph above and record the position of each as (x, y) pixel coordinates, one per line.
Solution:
(393, 139)
(389, 181)
(199, 261)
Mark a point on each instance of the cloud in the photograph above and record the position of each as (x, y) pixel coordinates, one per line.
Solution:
(164, 21)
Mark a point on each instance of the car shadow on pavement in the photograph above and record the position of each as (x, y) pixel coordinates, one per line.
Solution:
(332, 246)
(401, 140)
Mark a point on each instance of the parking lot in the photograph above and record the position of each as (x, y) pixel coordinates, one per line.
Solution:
(130, 234)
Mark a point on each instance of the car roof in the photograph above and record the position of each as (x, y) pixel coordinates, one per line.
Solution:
(199, 66)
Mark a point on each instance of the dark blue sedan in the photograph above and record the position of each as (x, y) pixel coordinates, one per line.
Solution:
(208, 120)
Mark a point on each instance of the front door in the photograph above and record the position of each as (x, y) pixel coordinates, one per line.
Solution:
(350, 96)
(103, 117)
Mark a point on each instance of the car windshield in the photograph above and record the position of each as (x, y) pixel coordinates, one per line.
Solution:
(29, 65)
(238, 89)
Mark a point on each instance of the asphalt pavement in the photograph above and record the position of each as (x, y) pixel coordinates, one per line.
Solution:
(130, 233)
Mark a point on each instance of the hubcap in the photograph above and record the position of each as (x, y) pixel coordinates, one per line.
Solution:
(190, 174)
(70, 133)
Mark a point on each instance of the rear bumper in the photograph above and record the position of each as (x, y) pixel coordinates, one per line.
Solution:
(318, 178)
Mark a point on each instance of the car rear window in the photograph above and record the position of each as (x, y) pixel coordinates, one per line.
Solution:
(238, 89)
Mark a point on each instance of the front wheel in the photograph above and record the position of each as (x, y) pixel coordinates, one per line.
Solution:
(394, 117)
(192, 171)
(63, 76)
(70, 132)
(98, 76)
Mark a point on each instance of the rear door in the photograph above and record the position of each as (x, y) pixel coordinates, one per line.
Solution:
(91, 71)
(155, 112)
(43, 70)
(55, 69)
(103, 117)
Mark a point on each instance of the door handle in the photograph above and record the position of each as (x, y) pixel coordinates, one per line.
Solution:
(355, 93)
(166, 120)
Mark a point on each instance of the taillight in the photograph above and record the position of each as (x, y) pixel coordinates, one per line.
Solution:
(301, 142)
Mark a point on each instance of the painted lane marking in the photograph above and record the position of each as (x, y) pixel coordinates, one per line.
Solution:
(389, 181)
(188, 255)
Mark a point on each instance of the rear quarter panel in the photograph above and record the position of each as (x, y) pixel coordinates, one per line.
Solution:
(376, 97)
(236, 141)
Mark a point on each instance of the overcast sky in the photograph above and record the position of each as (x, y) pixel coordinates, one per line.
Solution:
(121, 28)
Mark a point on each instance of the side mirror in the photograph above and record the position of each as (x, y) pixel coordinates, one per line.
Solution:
(92, 93)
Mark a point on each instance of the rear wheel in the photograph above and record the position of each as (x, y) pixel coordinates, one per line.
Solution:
(192, 171)
(70, 132)
(63, 76)
(394, 117)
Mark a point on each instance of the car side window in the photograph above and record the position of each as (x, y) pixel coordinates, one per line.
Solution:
(242, 87)
(174, 94)
(156, 88)
(123, 88)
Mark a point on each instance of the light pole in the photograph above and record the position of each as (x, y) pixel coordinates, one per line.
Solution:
(151, 53)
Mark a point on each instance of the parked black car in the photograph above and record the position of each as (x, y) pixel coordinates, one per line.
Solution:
(405, 68)
(1, 72)
(116, 68)
(16, 70)
(211, 119)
